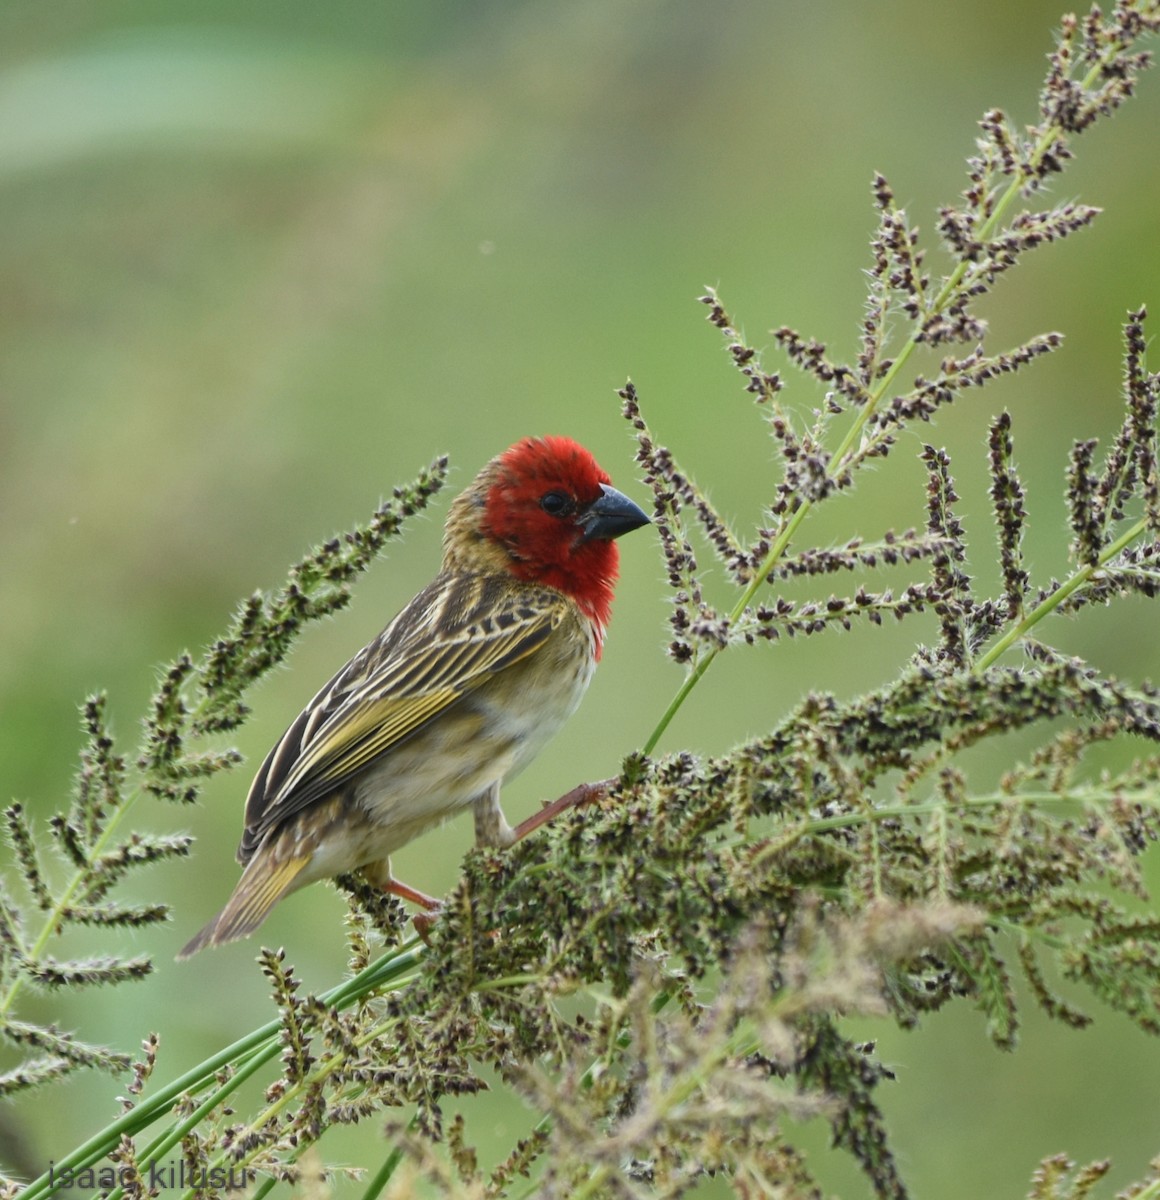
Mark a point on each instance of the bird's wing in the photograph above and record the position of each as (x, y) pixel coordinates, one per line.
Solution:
(456, 634)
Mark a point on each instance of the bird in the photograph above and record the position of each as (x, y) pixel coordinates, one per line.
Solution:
(456, 695)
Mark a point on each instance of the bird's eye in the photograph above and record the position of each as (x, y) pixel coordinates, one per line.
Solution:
(557, 504)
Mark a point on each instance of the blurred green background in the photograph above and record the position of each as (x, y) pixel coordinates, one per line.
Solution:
(259, 262)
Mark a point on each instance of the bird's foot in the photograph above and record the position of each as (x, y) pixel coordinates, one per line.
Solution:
(380, 876)
(424, 922)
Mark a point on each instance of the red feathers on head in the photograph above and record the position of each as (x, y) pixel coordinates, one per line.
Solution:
(549, 462)
(545, 548)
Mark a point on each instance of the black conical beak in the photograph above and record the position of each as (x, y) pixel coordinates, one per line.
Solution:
(611, 515)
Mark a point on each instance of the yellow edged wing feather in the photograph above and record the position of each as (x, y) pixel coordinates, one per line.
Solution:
(264, 882)
(457, 633)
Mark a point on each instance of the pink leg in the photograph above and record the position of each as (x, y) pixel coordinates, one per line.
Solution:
(404, 892)
(422, 921)
(378, 874)
(584, 793)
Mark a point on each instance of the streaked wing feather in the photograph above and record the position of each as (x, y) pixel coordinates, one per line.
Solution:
(344, 748)
(456, 634)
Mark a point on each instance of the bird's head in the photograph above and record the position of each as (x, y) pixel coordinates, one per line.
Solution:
(547, 513)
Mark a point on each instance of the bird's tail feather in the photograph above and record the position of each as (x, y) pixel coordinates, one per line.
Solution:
(263, 883)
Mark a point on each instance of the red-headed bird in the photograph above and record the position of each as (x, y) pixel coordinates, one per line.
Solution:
(458, 693)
